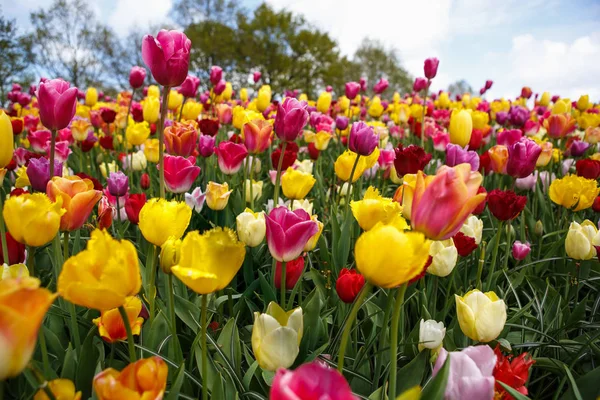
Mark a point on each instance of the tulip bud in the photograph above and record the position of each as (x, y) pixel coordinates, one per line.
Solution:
(118, 184)
(520, 250)
(251, 227)
(169, 254)
(216, 74)
(581, 240)
(431, 334)
(444, 256)
(430, 68)
(481, 316)
(420, 84)
(293, 272)
(539, 228)
(256, 76)
(349, 284)
(137, 76)
(461, 126)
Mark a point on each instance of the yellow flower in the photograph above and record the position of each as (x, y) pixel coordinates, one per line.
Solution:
(574, 192)
(480, 119)
(321, 140)
(374, 208)
(324, 102)
(153, 91)
(103, 275)
(343, 103)
(33, 219)
(276, 337)
(22, 178)
(170, 252)
(80, 129)
(13, 271)
(414, 393)
(581, 239)
(175, 100)
(263, 99)
(91, 97)
(443, 257)
(144, 379)
(545, 99)
(208, 262)
(400, 256)
(6, 140)
(151, 108)
(151, 150)
(443, 100)
(461, 126)
(296, 184)
(23, 305)
(112, 167)
(244, 94)
(376, 109)
(217, 195)
(314, 239)
(583, 103)
(372, 158)
(251, 227)
(545, 155)
(257, 187)
(344, 164)
(161, 219)
(137, 132)
(62, 389)
(562, 106)
(481, 316)
(110, 324)
(191, 110)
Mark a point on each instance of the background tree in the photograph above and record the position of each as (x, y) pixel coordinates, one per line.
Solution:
(189, 12)
(15, 55)
(460, 87)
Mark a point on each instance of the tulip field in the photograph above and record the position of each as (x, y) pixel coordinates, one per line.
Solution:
(196, 240)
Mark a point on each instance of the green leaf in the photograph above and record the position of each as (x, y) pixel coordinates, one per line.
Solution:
(86, 366)
(69, 368)
(249, 375)
(513, 392)
(188, 312)
(412, 373)
(574, 386)
(434, 390)
(587, 385)
(267, 289)
(177, 382)
(229, 342)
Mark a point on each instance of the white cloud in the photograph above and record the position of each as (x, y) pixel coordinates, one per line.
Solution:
(130, 13)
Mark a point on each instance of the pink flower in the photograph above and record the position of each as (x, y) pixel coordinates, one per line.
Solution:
(310, 381)
(352, 89)
(230, 157)
(167, 56)
(61, 151)
(430, 67)
(291, 118)
(440, 140)
(509, 136)
(288, 231)
(386, 158)
(206, 145)
(216, 74)
(38, 140)
(420, 84)
(256, 76)
(381, 86)
(363, 139)
(520, 250)
(180, 173)
(57, 103)
(195, 200)
(189, 87)
(522, 157)
(137, 76)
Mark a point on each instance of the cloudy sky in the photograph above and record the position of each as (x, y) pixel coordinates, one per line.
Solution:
(551, 45)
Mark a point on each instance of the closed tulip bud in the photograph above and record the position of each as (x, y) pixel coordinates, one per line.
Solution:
(583, 103)
(381, 86)
(230, 157)
(180, 173)
(161, 219)
(363, 139)
(581, 240)
(63, 389)
(169, 254)
(251, 227)
(430, 67)
(180, 139)
(256, 75)
(341, 122)
(344, 164)
(150, 150)
(175, 100)
(91, 97)
(253, 190)
(520, 250)
(444, 255)
(191, 110)
(257, 135)
(217, 195)
(419, 84)
(545, 99)
(78, 200)
(57, 103)
(206, 145)
(110, 324)
(481, 316)
(6, 140)
(151, 109)
(293, 272)
(189, 87)
(220, 87)
(167, 56)
(133, 206)
(244, 95)
(118, 184)
(375, 107)
(431, 334)
(137, 76)
(263, 99)
(522, 158)
(216, 74)
(288, 232)
(291, 119)
(349, 283)
(539, 228)
(144, 379)
(352, 90)
(276, 337)
(461, 126)
(324, 102)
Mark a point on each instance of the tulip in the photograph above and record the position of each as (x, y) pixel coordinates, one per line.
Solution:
(110, 324)
(256, 75)
(578, 148)
(118, 184)
(251, 227)
(430, 67)
(32, 219)
(522, 158)
(588, 168)
(581, 240)
(145, 181)
(161, 219)
(137, 133)
(528, 182)
(498, 158)
(6, 140)
(62, 389)
(324, 102)
(352, 89)
(374, 208)
(230, 157)
(220, 87)
(253, 190)
(175, 100)
(509, 136)
(38, 172)
(143, 379)
(291, 118)
(78, 200)
(344, 166)
(381, 86)
(257, 136)
(419, 84)
(348, 285)
(512, 371)
(441, 217)
(15, 253)
(189, 87)
(137, 76)
(444, 255)
(310, 381)
(296, 184)
(473, 227)
(180, 139)
(505, 205)
(170, 253)
(180, 173)
(133, 206)
(191, 110)
(208, 262)
(206, 145)
(195, 200)
(103, 275)
(216, 74)
(431, 334)
(276, 337)
(263, 100)
(91, 97)
(410, 160)
(574, 192)
(481, 316)
(455, 155)
(520, 250)
(471, 373)
(461, 126)
(151, 109)
(217, 195)
(363, 139)
(288, 232)
(402, 255)
(167, 57)
(57, 103)
(293, 269)
(465, 244)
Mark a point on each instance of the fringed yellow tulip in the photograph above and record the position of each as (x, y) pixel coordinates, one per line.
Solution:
(137, 132)
(374, 208)
(574, 192)
(161, 219)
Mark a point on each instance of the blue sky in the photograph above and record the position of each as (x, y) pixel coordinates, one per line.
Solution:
(551, 45)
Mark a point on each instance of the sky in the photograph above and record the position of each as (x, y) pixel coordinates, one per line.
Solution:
(548, 45)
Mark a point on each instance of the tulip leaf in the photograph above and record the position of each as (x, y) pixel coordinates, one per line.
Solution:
(177, 382)
(217, 388)
(435, 388)
(69, 368)
(86, 365)
(267, 289)
(412, 373)
(587, 385)
(229, 342)
(514, 393)
(187, 312)
(249, 375)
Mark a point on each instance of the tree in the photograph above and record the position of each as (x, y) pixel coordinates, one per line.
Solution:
(460, 87)
(189, 12)
(375, 62)
(15, 55)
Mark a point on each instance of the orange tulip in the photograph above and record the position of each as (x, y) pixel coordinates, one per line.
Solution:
(498, 158)
(23, 305)
(144, 379)
(257, 135)
(78, 196)
(180, 139)
(110, 324)
(558, 125)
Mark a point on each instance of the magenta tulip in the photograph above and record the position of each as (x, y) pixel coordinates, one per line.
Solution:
(137, 76)
(488, 84)
(522, 158)
(61, 151)
(292, 117)
(230, 157)
(363, 139)
(256, 76)
(167, 56)
(216, 74)
(310, 381)
(180, 173)
(457, 155)
(39, 139)
(509, 136)
(520, 250)
(220, 87)
(189, 87)
(430, 67)
(38, 172)
(381, 86)
(420, 84)
(206, 145)
(288, 232)
(57, 103)
(352, 89)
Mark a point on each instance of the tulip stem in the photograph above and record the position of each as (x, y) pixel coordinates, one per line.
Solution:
(423, 116)
(5, 255)
(282, 287)
(151, 295)
(394, 339)
(204, 349)
(494, 256)
(251, 188)
(480, 265)
(75, 329)
(30, 260)
(161, 140)
(42, 382)
(65, 246)
(349, 186)
(52, 148)
(181, 109)
(278, 177)
(349, 321)
(125, 318)
(175, 340)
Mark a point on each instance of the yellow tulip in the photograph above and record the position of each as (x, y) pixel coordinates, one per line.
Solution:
(376, 109)
(400, 256)
(62, 389)
(314, 239)
(414, 393)
(170, 252)
(244, 94)
(6, 140)
(574, 192)
(191, 110)
(112, 167)
(13, 271)
(562, 106)
(296, 184)
(343, 103)
(91, 97)
(263, 99)
(581, 240)
(251, 227)
(443, 257)
(151, 150)
(481, 316)
(344, 164)
(217, 195)
(33, 219)
(23, 305)
(153, 91)
(110, 323)
(103, 275)
(144, 379)
(461, 126)
(161, 219)
(208, 262)
(175, 100)
(480, 119)
(583, 103)
(321, 140)
(276, 337)
(443, 100)
(22, 178)
(303, 97)
(374, 208)
(546, 154)
(137, 132)
(324, 102)
(257, 187)
(545, 99)
(151, 109)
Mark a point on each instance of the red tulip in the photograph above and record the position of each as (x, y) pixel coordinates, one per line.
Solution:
(505, 205)
(288, 158)
(481, 205)
(430, 68)
(348, 284)
(464, 244)
(230, 157)
(16, 251)
(512, 371)
(208, 126)
(588, 168)
(137, 76)
(180, 173)
(57, 103)
(167, 56)
(410, 160)
(145, 181)
(133, 205)
(293, 272)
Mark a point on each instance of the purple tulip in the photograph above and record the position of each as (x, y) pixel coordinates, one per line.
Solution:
(509, 136)
(501, 117)
(206, 145)
(291, 119)
(216, 74)
(520, 250)
(57, 103)
(38, 172)
(137, 76)
(420, 84)
(471, 373)
(363, 139)
(32, 89)
(118, 184)
(352, 89)
(578, 148)
(430, 67)
(518, 115)
(167, 56)
(288, 232)
(522, 157)
(381, 86)
(204, 98)
(189, 87)
(256, 76)
(341, 122)
(457, 155)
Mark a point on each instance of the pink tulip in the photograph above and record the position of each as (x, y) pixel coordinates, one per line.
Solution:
(520, 250)
(488, 84)
(137, 76)
(57, 103)
(291, 119)
(352, 89)
(522, 157)
(509, 136)
(256, 76)
(363, 139)
(471, 373)
(420, 84)
(230, 157)
(216, 74)
(189, 87)
(167, 56)
(455, 155)
(38, 140)
(430, 68)
(363, 83)
(180, 173)
(61, 151)
(381, 86)
(288, 232)
(206, 145)
(310, 381)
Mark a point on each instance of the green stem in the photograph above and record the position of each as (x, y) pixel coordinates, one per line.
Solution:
(3, 231)
(65, 246)
(75, 338)
(282, 283)
(394, 339)
(52, 150)
(423, 116)
(382, 337)
(348, 325)
(170, 291)
(204, 349)
(152, 284)
(42, 382)
(278, 178)
(125, 318)
(480, 265)
(30, 260)
(181, 110)
(161, 140)
(494, 256)
(349, 186)
(44, 349)
(251, 188)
